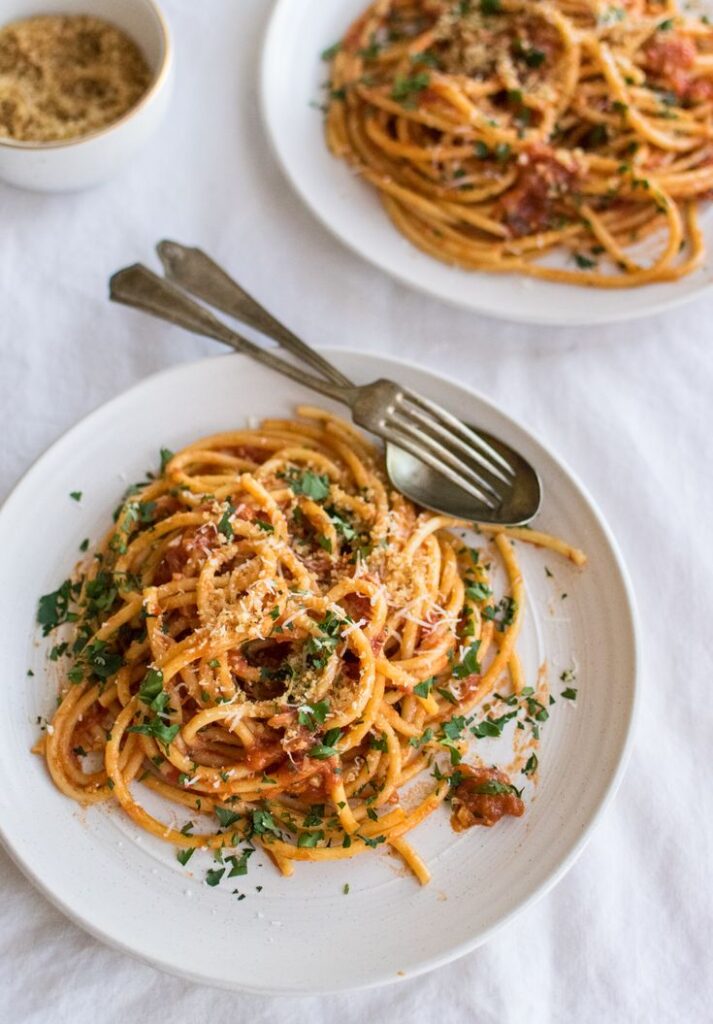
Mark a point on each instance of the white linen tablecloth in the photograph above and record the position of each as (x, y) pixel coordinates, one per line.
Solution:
(627, 936)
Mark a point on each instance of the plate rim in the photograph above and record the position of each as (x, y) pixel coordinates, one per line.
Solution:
(585, 318)
(548, 883)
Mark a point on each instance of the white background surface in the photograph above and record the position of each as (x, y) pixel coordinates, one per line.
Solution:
(627, 936)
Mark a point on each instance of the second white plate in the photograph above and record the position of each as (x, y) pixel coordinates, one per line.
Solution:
(292, 79)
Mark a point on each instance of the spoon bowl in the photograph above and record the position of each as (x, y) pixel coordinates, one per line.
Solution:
(433, 491)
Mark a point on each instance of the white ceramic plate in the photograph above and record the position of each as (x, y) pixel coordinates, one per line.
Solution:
(129, 890)
(292, 76)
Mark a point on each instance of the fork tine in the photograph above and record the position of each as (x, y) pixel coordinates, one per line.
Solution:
(462, 432)
(465, 452)
(419, 436)
(409, 439)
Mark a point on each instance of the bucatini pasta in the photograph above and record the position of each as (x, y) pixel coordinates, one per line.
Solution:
(271, 636)
(499, 132)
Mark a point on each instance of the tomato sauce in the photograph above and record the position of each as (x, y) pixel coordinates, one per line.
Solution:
(529, 206)
(192, 549)
(483, 797)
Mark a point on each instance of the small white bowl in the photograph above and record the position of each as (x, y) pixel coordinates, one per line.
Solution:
(71, 164)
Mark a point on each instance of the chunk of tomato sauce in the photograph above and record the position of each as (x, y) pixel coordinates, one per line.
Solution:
(671, 58)
(483, 797)
(667, 55)
(193, 547)
(542, 180)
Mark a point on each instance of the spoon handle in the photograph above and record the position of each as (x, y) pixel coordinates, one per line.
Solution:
(195, 271)
(139, 287)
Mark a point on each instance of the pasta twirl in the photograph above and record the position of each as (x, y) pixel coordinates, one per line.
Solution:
(271, 636)
(500, 131)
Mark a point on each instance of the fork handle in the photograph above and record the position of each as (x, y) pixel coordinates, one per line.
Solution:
(194, 270)
(139, 287)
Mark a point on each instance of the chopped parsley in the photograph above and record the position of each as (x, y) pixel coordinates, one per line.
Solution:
(166, 456)
(492, 726)
(331, 51)
(312, 485)
(419, 741)
(453, 728)
(320, 648)
(151, 688)
(309, 839)
(263, 822)
(224, 525)
(406, 87)
(424, 688)
(431, 60)
(537, 710)
(239, 864)
(152, 694)
(372, 51)
(102, 661)
(146, 510)
(54, 608)
(455, 754)
(341, 525)
(373, 842)
(313, 715)
(469, 664)
(493, 787)
(75, 495)
(156, 728)
(100, 593)
(315, 815)
(326, 749)
(534, 58)
(446, 694)
(226, 817)
(504, 615)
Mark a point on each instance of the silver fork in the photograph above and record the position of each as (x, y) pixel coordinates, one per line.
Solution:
(402, 417)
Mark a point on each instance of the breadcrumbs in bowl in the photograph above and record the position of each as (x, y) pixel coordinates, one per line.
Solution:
(63, 76)
(82, 84)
